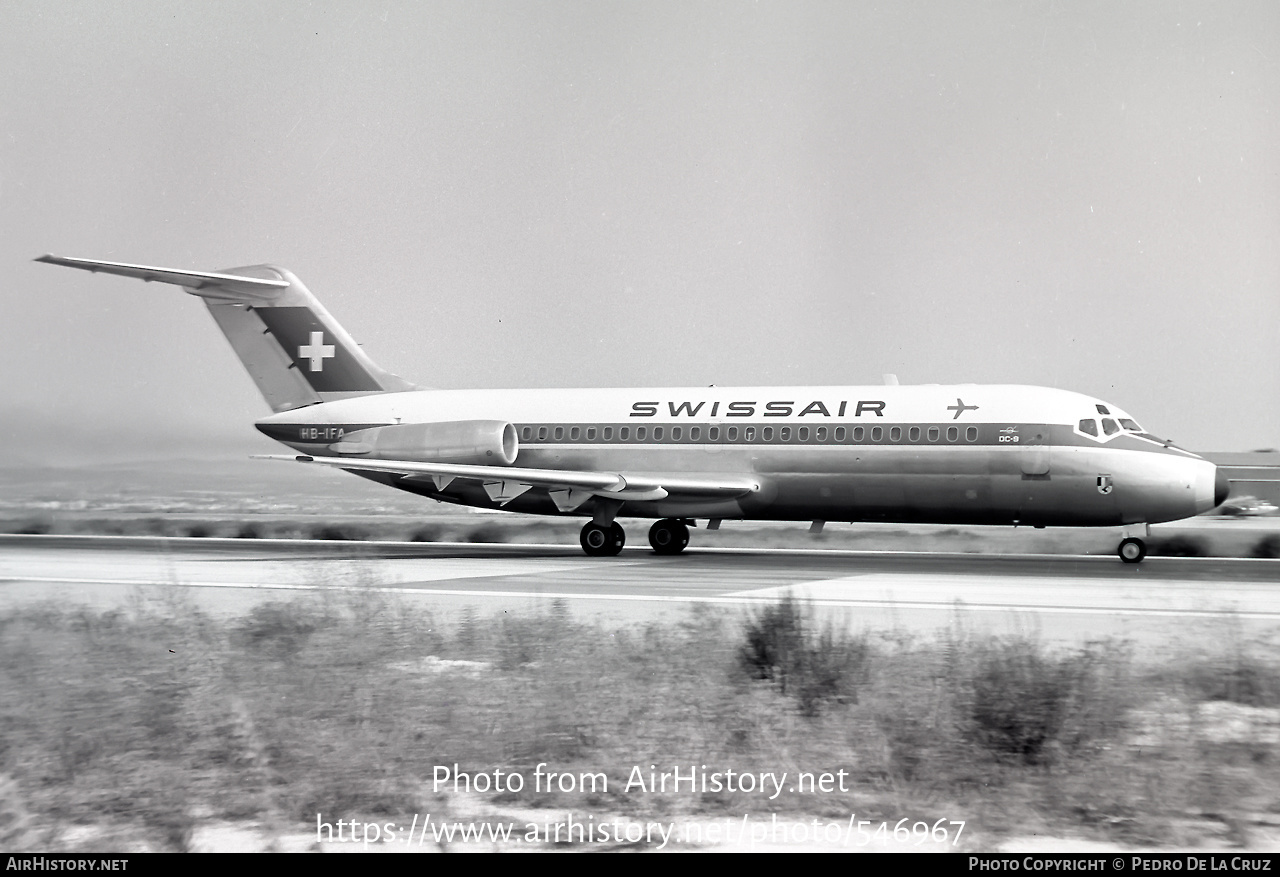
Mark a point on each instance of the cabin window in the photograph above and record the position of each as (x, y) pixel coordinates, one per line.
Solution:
(876, 433)
(526, 433)
(934, 433)
(749, 434)
(676, 432)
(839, 433)
(1089, 427)
(624, 433)
(1109, 426)
(641, 432)
(575, 434)
(914, 433)
(542, 433)
(695, 433)
(733, 433)
(858, 433)
(971, 434)
(767, 433)
(608, 433)
(953, 433)
(559, 434)
(591, 433)
(803, 433)
(657, 433)
(821, 433)
(785, 433)
(895, 434)
(713, 434)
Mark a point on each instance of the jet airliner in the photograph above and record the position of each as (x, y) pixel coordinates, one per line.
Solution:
(967, 454)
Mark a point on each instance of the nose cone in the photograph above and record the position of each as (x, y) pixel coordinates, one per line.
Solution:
(1221, 488)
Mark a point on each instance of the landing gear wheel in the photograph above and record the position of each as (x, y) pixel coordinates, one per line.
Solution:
(600, 541)
(668, 536)
(1132, 550)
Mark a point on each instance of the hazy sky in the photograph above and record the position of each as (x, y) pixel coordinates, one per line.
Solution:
(543, 194)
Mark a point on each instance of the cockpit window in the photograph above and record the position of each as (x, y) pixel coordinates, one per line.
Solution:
(1109, 425)
(1089, 427)
(1130, 425)
(1102, 409)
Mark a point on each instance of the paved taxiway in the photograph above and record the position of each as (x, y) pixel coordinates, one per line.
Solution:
(1067, 597)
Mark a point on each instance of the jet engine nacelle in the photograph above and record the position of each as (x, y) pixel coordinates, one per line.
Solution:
(483, 442)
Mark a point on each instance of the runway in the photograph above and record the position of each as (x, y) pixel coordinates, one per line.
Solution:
(1060, 597)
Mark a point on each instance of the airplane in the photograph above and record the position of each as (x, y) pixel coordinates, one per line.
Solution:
(967, 454)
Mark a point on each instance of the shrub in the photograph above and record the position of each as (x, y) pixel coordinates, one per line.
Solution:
(339, 532)
(1023, 703)
(429, 533)
(1268, 546)
(249, 531)
(487, 533)
(277, 630)
(1179, 546)
(813, 668)
(1238, 678)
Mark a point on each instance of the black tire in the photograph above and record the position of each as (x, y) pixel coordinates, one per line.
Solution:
(600, 541)
(1132, 550)
(668, 536)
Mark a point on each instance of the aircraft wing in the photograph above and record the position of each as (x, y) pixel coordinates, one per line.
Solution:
(251, 287)
(569, 488)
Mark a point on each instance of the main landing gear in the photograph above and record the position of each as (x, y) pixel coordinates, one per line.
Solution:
(668, 536)
(602, 540)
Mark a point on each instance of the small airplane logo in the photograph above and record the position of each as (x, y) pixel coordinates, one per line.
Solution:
(317, 351)
(960, 408)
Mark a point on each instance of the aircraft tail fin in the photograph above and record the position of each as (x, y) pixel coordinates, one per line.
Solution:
(293, 349)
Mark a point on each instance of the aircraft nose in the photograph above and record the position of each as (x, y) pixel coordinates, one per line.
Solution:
(1221, 488)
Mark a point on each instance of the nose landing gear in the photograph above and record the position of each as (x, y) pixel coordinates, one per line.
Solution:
(1133, 542)
(1132, 550)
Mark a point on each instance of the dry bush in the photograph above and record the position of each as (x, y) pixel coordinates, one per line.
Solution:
(1179, 546)
(1025, 703)
(1268, 546)
(487, 533)
(340, 532)
(811, 667)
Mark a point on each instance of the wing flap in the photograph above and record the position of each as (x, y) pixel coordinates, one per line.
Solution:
(570, 485)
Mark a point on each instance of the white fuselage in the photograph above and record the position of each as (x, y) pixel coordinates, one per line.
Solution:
(938, 454)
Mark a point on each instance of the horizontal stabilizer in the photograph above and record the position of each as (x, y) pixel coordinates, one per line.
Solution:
(203, 283)
(292, 348)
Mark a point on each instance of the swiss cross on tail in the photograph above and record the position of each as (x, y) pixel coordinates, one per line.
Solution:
(317, 353)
